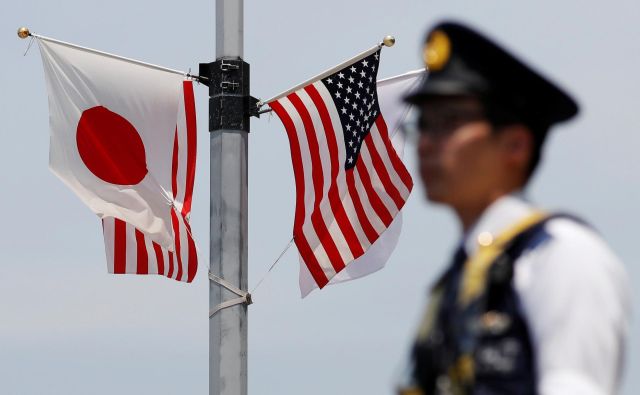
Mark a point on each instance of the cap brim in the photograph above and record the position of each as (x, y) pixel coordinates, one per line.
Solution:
(441, 87)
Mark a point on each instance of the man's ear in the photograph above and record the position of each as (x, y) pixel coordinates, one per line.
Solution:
(516, 145)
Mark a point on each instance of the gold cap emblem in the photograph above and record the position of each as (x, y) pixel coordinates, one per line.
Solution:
(437, 51)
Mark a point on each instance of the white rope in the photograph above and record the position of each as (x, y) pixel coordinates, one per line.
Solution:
(245, 297)
(273, 265)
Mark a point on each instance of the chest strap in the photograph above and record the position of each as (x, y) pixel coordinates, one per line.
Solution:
(476, 268)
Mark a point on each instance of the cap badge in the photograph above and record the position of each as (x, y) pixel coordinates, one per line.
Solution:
(437, 50)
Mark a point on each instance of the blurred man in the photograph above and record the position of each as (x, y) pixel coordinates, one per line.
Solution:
(533, 302)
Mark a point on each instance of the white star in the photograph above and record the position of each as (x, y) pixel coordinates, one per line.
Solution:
(351, 117)
(361, 111)
(349, 90)
(353, 69)
(355, 149)
(373, 68)
(365, 63)
(329, 81)
(364, 100)
(355, 133)
(340, 75)
(376, 56)
(363, 74)
(339, 85)
(350, 143)
(350, 159)
(344, 110)
(347, 100)
(358, 138)
(358, 122)
(348, 127)
(338, 95)
(370, 79)
(375, 113)
(366, 117)
(351, 80)
(367, 89)
(360, 84)
(357, 95)
(354, 106)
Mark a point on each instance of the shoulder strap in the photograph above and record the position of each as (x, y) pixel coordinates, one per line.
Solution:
(474, 277)
(509, 244)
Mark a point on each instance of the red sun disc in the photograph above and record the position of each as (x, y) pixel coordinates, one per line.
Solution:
(110, 147)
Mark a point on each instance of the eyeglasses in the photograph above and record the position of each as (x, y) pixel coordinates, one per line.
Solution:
(440, 123)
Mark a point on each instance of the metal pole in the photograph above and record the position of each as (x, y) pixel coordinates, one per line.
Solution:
(228, 183)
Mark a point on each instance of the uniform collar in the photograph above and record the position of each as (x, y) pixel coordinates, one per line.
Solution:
(497, 218)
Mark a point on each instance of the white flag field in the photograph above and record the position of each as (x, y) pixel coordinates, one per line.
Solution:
(123, 139)
(390, 95)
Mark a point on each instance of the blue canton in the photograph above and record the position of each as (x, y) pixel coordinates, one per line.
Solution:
(354, 94)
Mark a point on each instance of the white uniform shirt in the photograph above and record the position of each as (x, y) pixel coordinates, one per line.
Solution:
(575, 298)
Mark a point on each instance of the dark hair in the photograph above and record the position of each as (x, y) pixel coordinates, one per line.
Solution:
(499, 116)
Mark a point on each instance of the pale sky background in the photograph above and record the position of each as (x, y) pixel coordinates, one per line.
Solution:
(68, 327)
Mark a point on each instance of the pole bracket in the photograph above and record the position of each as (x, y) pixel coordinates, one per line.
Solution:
(244, 296)
(230, 104)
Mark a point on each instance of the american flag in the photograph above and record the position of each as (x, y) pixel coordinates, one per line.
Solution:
(130, 251)
(350, 183)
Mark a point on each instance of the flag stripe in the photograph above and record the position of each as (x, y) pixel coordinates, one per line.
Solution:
(401, 170)
(317, 174)
(142, 266)
(109, 243)
(385, 156)
(176, 235)
(380, 189)
(174, 166)
(159, 257)
(341, 181)
(326, 210)
(382, 173)
(171, 265)
(307, 229)
(371, 233)
(296, 157)
(334, 198)
(120, 247)
(190, 115)
(151, 256)
(377, 204)
(192, 266)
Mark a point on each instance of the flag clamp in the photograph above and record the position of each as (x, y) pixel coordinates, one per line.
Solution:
(244, 297)
(230, 104)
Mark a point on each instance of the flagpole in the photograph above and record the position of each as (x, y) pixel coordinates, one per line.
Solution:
(229, 127)
(387, 41)
(23, 32)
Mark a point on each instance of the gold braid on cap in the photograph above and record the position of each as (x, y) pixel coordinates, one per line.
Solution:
(437, 50)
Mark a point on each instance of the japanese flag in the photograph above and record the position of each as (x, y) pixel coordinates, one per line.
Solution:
(390, 94)
(113, 125)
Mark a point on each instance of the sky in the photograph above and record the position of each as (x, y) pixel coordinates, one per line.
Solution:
(68, 327)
